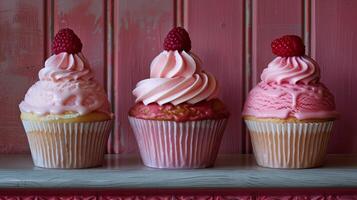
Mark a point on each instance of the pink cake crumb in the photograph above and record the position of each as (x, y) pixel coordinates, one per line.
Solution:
(212, 109)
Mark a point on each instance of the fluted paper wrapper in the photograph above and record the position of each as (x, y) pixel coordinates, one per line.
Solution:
(67, 145)
(169, 144)
(289, 144)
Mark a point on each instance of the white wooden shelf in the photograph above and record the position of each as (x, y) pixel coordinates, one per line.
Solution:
(231, 171)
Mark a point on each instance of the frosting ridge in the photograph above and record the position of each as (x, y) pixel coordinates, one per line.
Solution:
(176, 77)
(290, 87)
(293, 70)
(66, 85)
(64, 66)
(273, 100)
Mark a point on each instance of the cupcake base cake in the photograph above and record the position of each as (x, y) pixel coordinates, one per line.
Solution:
(184, 136)
(66, 113)
(65, 141)
(290, 143)
(177, 120)
(290, 114)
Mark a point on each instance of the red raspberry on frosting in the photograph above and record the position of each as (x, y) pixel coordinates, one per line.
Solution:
(177, 39)
(66, 41)
(288, 45)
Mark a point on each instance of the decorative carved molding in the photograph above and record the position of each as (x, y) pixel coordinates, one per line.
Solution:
(136, 197)
(232, 197)
(308, 197)
(346, 197)
(59, 197)
(178, 197)
(170, 197)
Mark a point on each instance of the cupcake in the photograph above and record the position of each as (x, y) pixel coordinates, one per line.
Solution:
(66, 113)
(290, 113)
(178, 121)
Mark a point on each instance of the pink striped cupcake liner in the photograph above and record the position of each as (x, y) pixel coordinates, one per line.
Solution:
(67, 145)
(170, 144)
(289, 144)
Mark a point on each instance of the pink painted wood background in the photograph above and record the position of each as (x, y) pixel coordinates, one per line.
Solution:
(232, 37)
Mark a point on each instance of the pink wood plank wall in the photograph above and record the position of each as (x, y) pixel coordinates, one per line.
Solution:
(22, 49)
(232, 37)
(217, 37)
(334, 45)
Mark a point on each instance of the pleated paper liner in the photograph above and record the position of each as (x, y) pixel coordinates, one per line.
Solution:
(67, 145)
(170, 144)
(289, 144)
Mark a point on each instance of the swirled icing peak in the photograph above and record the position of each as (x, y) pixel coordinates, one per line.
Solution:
(169, 64)
(176, 77)
(293, 70)
(65, 66)
(290, 86)
(66, 85)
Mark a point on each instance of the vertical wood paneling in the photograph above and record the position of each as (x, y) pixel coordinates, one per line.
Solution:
(334, 45)
(121, 37)
(109, 52)
(21, 56)
(272, 19)
(216, 31)
(86, 18)
(139, 30)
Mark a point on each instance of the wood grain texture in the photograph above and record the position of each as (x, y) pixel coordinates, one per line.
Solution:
(236, 172)
(21, 56)
(216, 32)
(272, 19)
(86, 18)
(140, 28)
(334, 45)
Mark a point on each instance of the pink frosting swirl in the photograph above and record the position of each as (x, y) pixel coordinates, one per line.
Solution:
(66, 85)
(292, 70)
(290, 87)
(66, 67)
(272, 100)
(176, 78)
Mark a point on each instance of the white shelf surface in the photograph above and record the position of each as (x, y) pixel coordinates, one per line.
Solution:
(127, 172)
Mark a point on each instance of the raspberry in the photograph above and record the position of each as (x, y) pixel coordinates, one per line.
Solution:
(288, 45)
(177, 39)
(66, 41)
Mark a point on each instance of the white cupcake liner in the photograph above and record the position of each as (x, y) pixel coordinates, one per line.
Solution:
(169, 144)
(289, 144)
(67, 145)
